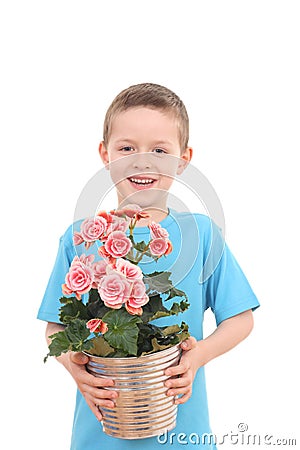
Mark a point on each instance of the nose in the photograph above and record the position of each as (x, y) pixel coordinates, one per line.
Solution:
(141, 161)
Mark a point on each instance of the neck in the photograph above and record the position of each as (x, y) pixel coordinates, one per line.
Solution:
(157, 215)
(158, 210)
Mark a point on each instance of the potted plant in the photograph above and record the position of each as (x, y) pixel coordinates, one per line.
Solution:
(114, 324)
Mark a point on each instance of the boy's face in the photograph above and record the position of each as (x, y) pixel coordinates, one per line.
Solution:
(144, 156)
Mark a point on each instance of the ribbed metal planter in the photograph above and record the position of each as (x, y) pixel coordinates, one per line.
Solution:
(142, 408)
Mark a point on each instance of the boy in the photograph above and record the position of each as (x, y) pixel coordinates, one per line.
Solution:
(145, 146)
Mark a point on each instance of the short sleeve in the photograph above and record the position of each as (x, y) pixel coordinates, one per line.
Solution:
(227, 289)
(49, 308)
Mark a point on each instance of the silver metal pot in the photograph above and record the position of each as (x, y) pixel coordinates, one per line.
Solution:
(142, 408)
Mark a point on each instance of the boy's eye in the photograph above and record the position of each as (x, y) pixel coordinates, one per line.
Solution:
(127, 148)
(159, 150)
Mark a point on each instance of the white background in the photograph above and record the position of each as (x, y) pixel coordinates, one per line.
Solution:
(235, 64)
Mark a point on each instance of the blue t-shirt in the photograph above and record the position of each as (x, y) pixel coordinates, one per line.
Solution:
(203, 267)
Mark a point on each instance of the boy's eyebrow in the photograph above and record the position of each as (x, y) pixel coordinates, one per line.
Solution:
(128, 140)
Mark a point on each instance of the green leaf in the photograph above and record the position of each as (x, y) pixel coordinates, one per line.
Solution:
(140, 246)
(146, 333)
(158, 347)
(155, 309)
(94, 296)
(178, 308)
(174, 292)
(95, 305)
(59, 344)
(172, 329)
(77, 332)
(73, 338)
(72, 309)
(184, 335)
(122, 331)
(168, 337)
(100, 347)
(160, 282)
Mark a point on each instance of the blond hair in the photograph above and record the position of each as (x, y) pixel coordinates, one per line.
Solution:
(151, 96)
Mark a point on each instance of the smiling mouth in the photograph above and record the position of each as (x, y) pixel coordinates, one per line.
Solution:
(142, 182)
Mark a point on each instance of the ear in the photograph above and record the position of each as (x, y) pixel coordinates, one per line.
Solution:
(104, 154)
(185, 158)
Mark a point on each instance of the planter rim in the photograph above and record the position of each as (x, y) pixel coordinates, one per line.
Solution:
(134, 358)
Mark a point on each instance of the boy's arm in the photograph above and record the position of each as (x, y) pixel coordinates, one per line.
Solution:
(227, 335)
(88, 385)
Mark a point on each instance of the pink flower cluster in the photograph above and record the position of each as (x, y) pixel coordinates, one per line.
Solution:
(118, 281)
(99, 228)
(80, 277)
(123, 284)
(160, 243)
(97, 326)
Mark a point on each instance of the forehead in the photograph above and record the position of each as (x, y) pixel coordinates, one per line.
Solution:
(143, 121)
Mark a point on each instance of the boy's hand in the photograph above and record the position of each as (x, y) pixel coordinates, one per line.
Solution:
(186, 370)
(89, 385)
(198, 353)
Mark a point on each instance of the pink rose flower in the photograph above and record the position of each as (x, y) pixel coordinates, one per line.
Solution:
(138, 296)
(79, 279)
(138, 289)
(118, 224)
(66, 290)
(158, 246)
(93, 228)
(133, 311)
(169, 249)
(137, 299)
(99, 269)
(114, 290)
(108, 217)
(117, 244)
(131, 271)
(83, 260)
(103, 252)
(133, 211)
(157, 231)
(129, 210)
(77, 238)
(97, 326)
(86, 259)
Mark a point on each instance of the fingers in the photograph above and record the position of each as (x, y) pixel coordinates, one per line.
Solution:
(100, 394)
(184, 398)
(181, 382)
(79, 358)
(189, 343)
(94, 408)
(184, 392)
(91, 387)
(180, 387)
(177, 370)
(98, 398)
(83, 377)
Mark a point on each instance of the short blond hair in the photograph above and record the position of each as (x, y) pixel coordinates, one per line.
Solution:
(151, 96)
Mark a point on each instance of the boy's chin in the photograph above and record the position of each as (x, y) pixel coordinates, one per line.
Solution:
(146, 199)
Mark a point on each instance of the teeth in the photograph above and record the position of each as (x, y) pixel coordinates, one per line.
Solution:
(141, 181)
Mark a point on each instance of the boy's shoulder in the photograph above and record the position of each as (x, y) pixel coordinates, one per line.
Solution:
(199, 226)
(67, 236)
(186, 218)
